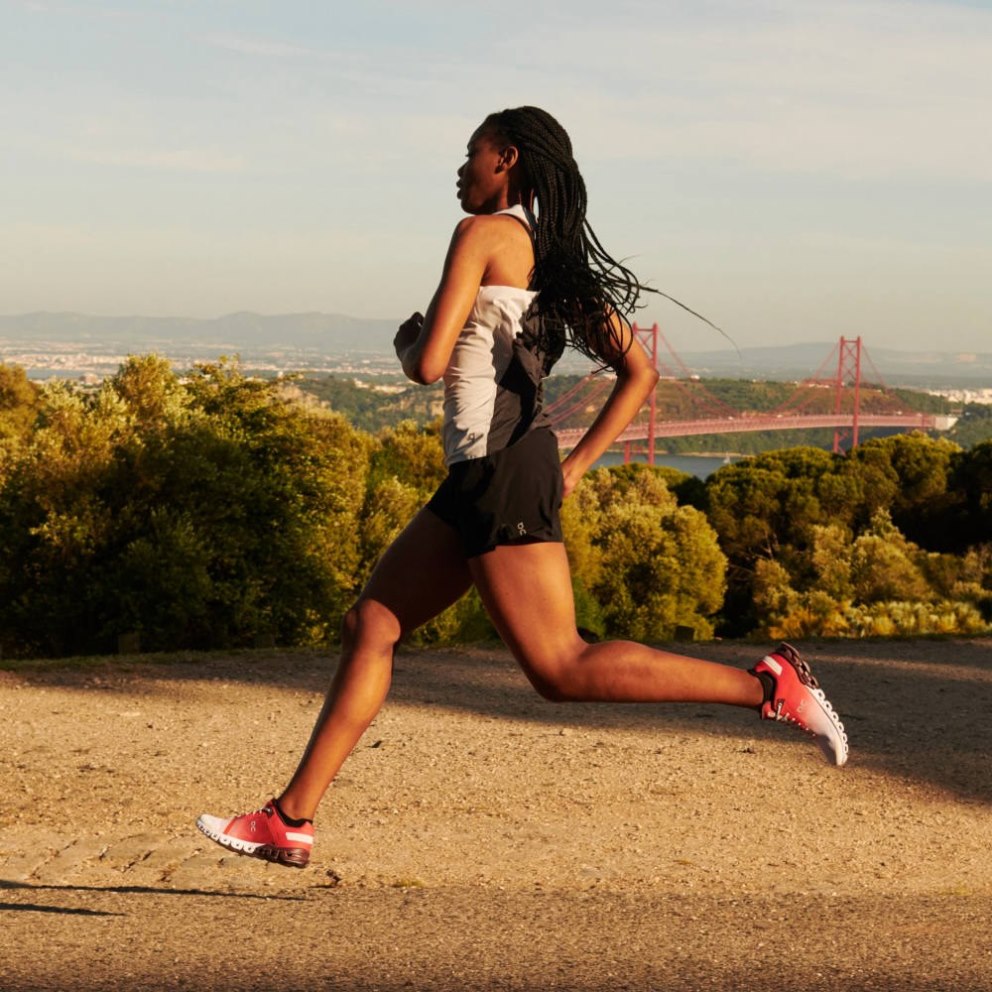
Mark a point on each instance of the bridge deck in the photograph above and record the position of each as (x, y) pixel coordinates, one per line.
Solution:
(569, 436)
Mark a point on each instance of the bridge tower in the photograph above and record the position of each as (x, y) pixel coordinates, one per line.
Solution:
(648, 338)
(848, 371)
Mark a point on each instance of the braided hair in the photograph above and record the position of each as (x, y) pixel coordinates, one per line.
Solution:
(580, 284)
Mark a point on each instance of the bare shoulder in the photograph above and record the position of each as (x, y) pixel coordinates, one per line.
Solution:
(492, 234)
(500, 244)
(491, 227)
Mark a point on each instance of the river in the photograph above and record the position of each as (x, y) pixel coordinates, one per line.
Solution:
(698, 465)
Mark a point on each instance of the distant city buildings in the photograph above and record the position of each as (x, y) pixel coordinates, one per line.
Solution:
(963, 395)
(57, 360)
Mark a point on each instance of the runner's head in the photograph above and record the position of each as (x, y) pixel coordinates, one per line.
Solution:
(578, 280)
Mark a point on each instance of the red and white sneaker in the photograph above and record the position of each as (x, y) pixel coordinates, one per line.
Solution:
(262, 834)
(798, 699)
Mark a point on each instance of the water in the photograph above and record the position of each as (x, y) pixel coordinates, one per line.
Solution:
(699, 465)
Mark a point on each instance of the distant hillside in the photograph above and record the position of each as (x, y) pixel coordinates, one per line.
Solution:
(332, 334)
(374, 408)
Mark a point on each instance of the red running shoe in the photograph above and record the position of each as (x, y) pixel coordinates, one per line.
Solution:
(262, 834)
(798, 699)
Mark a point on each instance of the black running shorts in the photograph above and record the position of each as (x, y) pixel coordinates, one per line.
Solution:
(512, 496)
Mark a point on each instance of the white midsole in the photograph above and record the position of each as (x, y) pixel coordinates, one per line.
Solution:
(247, 846)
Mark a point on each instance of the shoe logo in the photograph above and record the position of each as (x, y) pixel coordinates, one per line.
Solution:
(521, 529)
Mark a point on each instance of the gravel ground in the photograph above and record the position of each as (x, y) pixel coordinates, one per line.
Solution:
(481, 838)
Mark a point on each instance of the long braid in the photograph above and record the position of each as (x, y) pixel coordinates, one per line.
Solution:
(579, 282)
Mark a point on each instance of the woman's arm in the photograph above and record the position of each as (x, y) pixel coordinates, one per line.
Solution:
(635, 380)
(424, 343)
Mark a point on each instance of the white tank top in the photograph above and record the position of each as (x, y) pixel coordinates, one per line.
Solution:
(492, 382)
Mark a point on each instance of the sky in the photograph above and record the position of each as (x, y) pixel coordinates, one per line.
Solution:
(796, 170)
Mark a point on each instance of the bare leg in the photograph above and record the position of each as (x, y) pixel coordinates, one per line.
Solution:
(421, 573)
(528, 593)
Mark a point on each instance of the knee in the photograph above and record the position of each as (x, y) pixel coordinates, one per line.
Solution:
(370, 624)
(553, 689)
(555, 675)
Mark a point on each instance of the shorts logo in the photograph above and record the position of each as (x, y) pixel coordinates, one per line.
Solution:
(521, 529)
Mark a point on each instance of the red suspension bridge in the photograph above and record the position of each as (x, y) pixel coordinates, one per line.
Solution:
(831, 398)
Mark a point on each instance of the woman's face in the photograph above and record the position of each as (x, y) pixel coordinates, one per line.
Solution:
(483, 178)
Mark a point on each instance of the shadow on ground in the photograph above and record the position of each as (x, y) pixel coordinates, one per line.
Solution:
(453, 940)
(158, 890)
(918, 709)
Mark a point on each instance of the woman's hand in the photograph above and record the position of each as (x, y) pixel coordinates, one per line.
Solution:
(408, 333)
(571, 476)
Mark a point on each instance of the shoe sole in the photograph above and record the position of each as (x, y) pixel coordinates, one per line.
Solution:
(290, 857)
(836, 757)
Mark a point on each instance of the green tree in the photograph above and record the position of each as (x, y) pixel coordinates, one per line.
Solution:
(53, 522)
(883, 565)
(919, 499)
(877, 482)
(971, 484)
(19, 400)
(650, 564)
(851, 531)
(768, 508)
(831, 561)
(879, 584)
(411, 453)
(922, 465)
(197, 514)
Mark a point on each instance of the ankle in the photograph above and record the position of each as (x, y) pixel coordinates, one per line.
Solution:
(767, 687)
(291, 814)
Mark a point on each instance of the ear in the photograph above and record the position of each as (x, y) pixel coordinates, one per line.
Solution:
(508, 158)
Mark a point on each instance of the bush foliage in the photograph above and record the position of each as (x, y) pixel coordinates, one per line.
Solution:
(895, 538)
(199, 513)
(216, 510)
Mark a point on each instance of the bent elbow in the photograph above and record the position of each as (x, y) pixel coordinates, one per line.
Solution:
(425, 373)
(650, 381)
(641, 372)
(644, 379)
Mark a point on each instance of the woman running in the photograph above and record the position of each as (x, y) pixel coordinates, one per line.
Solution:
(515, 289)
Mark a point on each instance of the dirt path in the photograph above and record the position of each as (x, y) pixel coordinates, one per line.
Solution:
(480, 838)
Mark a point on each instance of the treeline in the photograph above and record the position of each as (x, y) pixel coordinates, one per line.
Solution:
(894, 538)
(215, 510)
(371, 406)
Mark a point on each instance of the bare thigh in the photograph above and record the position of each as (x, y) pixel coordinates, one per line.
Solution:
(420, 574)
(527, 592)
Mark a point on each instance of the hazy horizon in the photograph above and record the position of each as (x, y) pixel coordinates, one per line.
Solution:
(794, 171)
(713, 344)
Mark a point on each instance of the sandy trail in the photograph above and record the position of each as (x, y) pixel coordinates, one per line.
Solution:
(482, 838)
